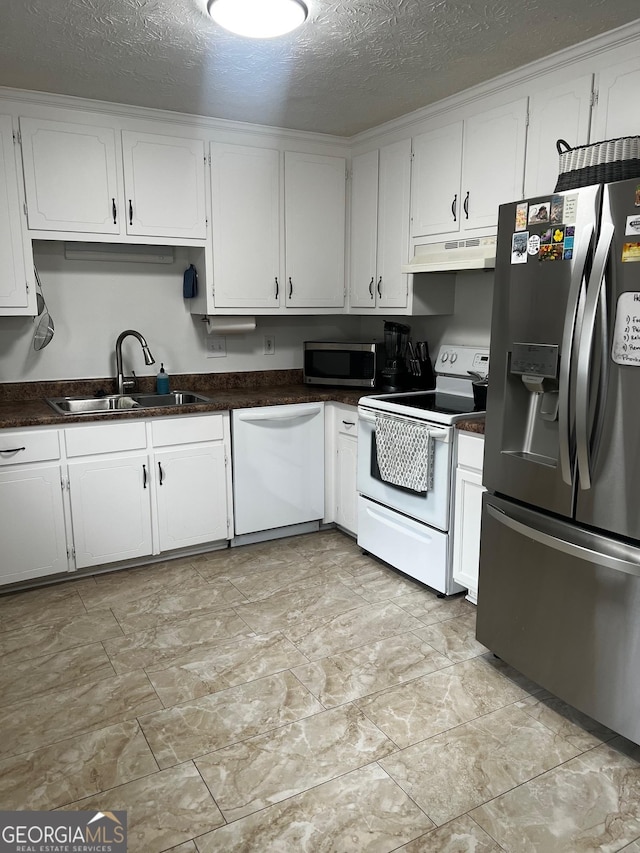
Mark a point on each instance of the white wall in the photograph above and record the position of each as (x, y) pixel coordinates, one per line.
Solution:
(91, 302)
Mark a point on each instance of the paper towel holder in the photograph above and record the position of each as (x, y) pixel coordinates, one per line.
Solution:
(229, 325)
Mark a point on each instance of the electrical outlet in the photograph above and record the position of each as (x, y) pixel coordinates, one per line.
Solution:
(269, 344)
(216, 346)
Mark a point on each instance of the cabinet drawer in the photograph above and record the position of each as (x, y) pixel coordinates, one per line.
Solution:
(470, 450)
(19, 447)
(347, 421)
(187, 430)
(105, 438)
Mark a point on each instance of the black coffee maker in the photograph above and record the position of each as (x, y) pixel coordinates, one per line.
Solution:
(395, 373)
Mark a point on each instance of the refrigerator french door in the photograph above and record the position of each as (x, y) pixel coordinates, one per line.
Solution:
(559, 585)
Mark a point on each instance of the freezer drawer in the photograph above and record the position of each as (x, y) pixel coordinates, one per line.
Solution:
(416, 549)
(562, 605)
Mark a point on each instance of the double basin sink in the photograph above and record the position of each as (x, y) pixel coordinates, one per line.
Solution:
(122, 402)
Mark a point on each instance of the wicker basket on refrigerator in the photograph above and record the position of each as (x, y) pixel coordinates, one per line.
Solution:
(598, 163)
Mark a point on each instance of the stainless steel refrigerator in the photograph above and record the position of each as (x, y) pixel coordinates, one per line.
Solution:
(559, 585)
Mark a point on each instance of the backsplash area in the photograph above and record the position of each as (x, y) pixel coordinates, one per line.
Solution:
(91, 302)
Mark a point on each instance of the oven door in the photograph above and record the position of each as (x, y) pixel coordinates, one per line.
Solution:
(431, 507)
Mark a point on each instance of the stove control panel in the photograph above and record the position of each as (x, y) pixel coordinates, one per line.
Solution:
(462, 361)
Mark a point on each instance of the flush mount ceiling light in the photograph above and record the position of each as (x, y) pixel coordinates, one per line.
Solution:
(258, 18)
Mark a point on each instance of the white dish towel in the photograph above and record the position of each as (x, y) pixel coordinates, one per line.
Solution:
(405, 453)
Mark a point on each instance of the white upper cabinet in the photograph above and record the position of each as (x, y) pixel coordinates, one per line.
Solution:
(70, 177)
(17, 292)
(464, 171)
(492, 163)
(315, 199)
(380, 198)
(435, 197)
(74, 182)
(562, 111)
(616, 112)
(164, 180)
(245, 202)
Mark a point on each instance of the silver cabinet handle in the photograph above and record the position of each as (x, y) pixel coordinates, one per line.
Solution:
(13, 450)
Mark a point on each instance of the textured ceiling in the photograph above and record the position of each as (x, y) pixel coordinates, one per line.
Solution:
(353, 65)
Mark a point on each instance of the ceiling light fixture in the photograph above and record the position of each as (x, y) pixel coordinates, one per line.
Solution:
(258, 19)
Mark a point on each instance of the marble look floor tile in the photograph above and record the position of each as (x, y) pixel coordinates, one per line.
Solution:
(264, 581)
(212, 722)
(286, 609)
(28, 725)
(512, 674)
(361, 811)
(117, 588)
(39, 606)
(455, 771)
(380, 585)
(358, 672)
(161, 608)
(258, 772)
(247, 558)
(50, 777)
(157, 648)
(224, 664)
(591, 804)
(634, 847)
(31, 678)
(571, 724)
(78, 629)
(187, 847)
(326, 540)
(429, 609)
(455, 638)
(319, 636)
(163, 810)
(439, 701)
(462, 835)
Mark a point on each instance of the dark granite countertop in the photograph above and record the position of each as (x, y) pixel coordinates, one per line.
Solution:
(23, 404)
(476, 426)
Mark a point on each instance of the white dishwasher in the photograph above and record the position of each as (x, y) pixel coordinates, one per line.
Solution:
(278, 467)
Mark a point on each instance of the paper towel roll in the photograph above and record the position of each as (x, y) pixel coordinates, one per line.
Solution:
(230, 325)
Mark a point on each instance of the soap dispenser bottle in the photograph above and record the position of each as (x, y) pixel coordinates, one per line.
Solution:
(162, 381)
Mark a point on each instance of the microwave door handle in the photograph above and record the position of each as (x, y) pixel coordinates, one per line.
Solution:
(595, 297)
(574, 303)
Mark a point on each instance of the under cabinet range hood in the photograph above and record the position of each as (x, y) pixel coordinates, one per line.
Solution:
(475, 253)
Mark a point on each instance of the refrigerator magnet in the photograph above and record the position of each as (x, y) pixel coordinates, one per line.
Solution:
(533, 244)
(630, 253)
(557, 210)
(519, 247)
(633, 225)
(539, 212)
(551, 252)
(521, 216)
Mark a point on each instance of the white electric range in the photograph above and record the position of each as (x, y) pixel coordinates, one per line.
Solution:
(404, 519)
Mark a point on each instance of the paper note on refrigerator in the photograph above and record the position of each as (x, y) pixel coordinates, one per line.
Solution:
(625, 348)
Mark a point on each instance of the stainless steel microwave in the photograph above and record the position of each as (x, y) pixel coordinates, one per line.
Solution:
(355, 364)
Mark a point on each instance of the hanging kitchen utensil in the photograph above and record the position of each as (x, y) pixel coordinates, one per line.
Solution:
(44, 328)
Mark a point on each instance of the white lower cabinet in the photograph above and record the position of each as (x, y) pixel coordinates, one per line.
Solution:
(32, 520)
(341, 455)
(468, 512)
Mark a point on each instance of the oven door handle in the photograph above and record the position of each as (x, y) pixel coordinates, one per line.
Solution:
(443, 435)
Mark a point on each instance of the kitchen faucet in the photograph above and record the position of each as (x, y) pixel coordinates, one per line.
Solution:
(129, 383)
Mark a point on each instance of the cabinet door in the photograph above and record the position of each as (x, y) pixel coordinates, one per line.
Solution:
(393, 224)
(245, 200)
(492, 163)
(466, 529)
(562, 111)
(616, 112)
(314, 230)
(70, 177)
(191, 495)
(435, 181)
(110, 509)
(364, 230)
(164, 186)
(346, 490)
(13, 273)
(32, 528)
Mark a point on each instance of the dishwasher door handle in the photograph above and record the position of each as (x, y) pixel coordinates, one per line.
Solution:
(304, 412)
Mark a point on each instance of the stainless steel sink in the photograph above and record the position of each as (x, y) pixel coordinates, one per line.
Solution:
(121, 402)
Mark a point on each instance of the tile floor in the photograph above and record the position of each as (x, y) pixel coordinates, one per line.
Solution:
(296, 697)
